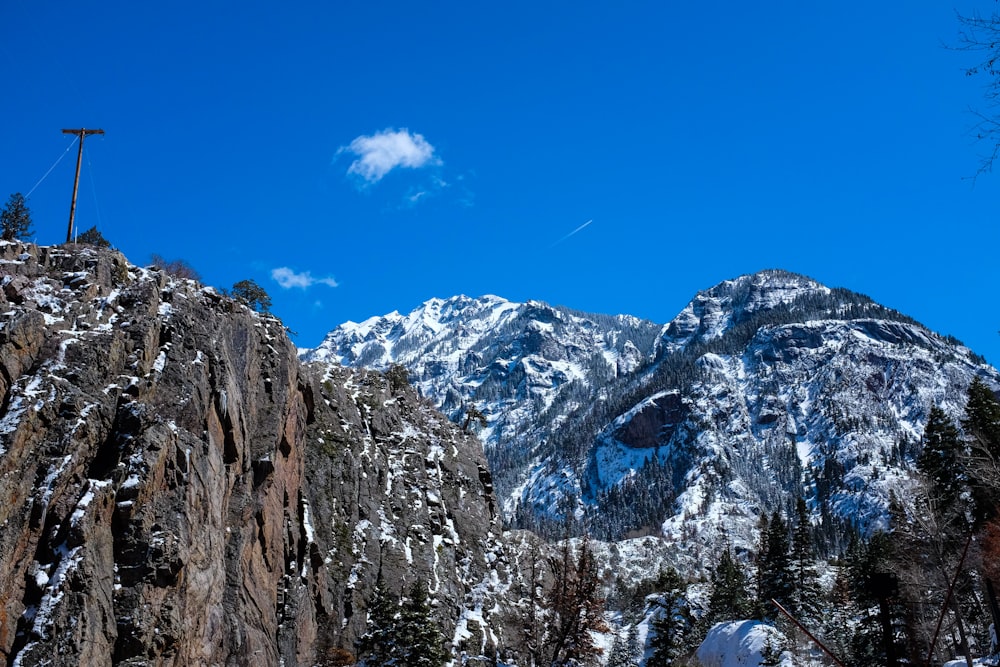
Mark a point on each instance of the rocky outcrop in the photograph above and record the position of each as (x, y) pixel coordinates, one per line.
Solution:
(178, 490)
(398, 490)
(525, 366)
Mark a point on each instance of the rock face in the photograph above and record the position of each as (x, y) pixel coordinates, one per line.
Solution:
(396, 488)
(178, 490)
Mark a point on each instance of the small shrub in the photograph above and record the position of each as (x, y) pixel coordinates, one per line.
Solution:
(93, 237)
(177, 268)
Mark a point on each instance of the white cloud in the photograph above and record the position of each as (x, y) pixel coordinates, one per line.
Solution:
(288, 279)
(384, 151)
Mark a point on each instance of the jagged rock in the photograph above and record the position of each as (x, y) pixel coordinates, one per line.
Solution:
(525, 365)
(178, 490)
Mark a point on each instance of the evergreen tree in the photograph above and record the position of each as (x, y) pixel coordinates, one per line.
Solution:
(398, 377)
(770, 654)
(253, 295)
(473, 415)
(93, 237)
(15, 219)
(761, 612)
(729, 600)
(939, 460)
(776, 580)
(672, 623)
(839, 625)
(421, 643)
(379, 645)
(982, 417)
(618, 655)
(982, 430)
(864, 564)
(805, 600)
(633, 649)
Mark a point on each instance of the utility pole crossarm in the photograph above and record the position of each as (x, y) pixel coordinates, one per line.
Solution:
(82, 132)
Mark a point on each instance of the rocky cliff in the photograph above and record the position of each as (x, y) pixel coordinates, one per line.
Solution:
(178, 490)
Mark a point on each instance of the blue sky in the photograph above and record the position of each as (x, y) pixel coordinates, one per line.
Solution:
(360, 157)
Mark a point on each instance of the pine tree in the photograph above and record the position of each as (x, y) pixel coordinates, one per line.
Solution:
(15, 219)
(865, 642)
(982, 417)
(671, 625)
(633, 649)
(663, 642)
(473, 415)
(776, 580)
(770, 654)
(939, 460)
(805, 599)
(729, 600)
(843, 610)
(982, 431)
(398, 377)
(379, 645)
(421, 643)
(618, 655)
(760, 611)
(253, 295)
(93, 237)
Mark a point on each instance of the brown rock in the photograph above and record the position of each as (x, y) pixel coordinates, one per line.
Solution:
(177, 490)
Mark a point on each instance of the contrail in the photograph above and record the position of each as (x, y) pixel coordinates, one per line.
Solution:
(571, 233)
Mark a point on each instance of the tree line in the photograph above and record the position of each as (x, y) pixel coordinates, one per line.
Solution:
(922, 591)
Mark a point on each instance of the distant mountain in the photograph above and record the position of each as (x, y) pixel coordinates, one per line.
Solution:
(526, 366)
(764, 388)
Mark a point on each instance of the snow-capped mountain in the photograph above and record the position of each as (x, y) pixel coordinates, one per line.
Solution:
(764, 388)
(524, 365)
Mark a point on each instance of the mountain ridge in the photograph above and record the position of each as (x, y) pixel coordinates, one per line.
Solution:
(768, 340)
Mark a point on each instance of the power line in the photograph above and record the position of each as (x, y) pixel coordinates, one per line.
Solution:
(58, 160)
(93, 191)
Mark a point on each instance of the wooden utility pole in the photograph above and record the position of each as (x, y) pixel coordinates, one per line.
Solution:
(82, 132)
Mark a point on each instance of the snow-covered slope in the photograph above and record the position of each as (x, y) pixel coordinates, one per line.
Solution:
(524, 365)
(764, 388)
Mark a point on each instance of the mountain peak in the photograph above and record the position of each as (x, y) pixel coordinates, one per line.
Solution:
(714, 311)
(592, 407)
(382, 340)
